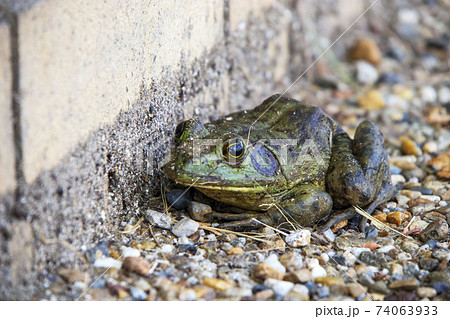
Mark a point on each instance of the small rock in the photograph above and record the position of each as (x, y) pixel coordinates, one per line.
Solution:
(411, 194)
(366, 73)
(137, 265)
(298, 238)
(167, 249)
(398, 179)
(430, 147)
(159, 219)
(429, 264)
(129, 252)
(329, 235)
(235, 251)
(137, 293)
(397, 217)
(108, 262)
(438, 229)
(441, 287)
(391, 78)
(303, 275)
(218, 284)
(444, 95)
(381, 216)
(317, 272)
(264, 294)
(441, 254)
(270, 268)
(407, 284)
(199, 211)
(280, 287)
(71, 275)
(365, 49)
(187, 294)
(185, 227)
(373, 258)
(338, 260)
(426, 292)
(409, 147)
(356, 290)
(386, 248)
(292, 261)
(396, 269)
(329, 280)
(402, 200)
(372, 100)
(370, 232)
(421, 189)
(428, 94)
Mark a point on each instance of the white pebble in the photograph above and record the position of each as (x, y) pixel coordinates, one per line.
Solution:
(387, 248)
(325, 257)
(428, 94)
(404, 256)
(167, 249)
(129, 252)
(280, 287)
(159, 219)
(329, 235)
(444, 95)
(397, 178)
(408, 16)
(366, 72)
(349, 257)
(298, 238)
(433, 198)
(356, 251)
(312, 262)
(302, 289)
(317, 272)
(273, 262)
(108, 262)
(185, 227)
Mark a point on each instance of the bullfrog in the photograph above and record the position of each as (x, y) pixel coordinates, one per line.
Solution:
(281, 163)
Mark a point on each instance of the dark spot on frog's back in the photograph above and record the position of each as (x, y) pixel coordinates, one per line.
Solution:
(264, 161)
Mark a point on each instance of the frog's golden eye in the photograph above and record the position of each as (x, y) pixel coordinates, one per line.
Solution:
(233, 151)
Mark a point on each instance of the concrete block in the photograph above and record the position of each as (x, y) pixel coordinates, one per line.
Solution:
(7, 153)
(241, 10)
(82, 64)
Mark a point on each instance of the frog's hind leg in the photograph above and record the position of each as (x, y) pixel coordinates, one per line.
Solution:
(359, 171)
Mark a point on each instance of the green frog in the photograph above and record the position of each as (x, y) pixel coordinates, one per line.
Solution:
(282, 162)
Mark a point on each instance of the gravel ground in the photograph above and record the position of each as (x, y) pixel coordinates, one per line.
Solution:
(397, 76)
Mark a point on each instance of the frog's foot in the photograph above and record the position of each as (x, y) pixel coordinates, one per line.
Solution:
(358, 167)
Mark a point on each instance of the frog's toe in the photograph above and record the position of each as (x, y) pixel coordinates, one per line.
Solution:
(241, 224)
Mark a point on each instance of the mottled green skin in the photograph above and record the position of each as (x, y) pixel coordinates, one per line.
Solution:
(321, 166)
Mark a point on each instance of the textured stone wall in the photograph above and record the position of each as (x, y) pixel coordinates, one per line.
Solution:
(90, 93)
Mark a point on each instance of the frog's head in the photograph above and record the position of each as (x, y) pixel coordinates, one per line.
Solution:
(216, 158)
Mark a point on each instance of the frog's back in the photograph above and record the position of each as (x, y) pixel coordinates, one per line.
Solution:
(305, 130)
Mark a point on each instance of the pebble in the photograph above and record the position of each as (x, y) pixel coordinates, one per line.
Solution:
(429, 264)
(421, 189)
(338, 260)
(159, 219)
(426, 292)
(366, 73)
(407, 284)
(370, 232)
(391, 78)
(395, 170)
(270, 268)
(386, 248)
(402, 200)
(444, 95)
(365, 49)
(235, 251)
(303, 275)
(396, 269)
(356, 251)
(298, 238)
(329, 280)
(199, 211)
(329, 235)
(264, 294)
(218, 284)
(349, 258)
(292, 261)
(372, 100)
(108, 262)
(129, 252)
(137, 293)
(409, 147)
(441, 254)
(280, 287)
(167, 249)
(373, 258)
(356, 290)
(317, 272)
(185, 227)
(187, 294)
(71, 275)
(441, 287)
(137, 265)
(428, 94)
(397, 217)
(430, 147)
(397, 179)
(437, 229)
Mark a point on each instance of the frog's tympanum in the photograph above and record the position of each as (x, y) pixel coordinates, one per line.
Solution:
(281, 163)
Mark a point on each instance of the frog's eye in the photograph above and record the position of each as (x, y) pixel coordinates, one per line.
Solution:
(233, 151)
